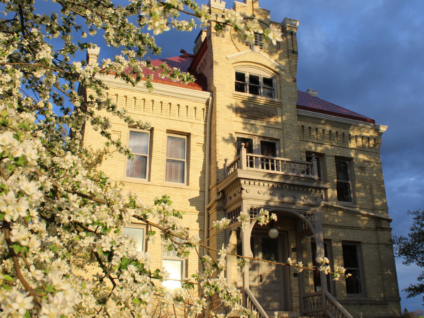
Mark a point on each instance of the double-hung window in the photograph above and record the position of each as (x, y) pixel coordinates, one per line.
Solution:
(139, 145)
(174, 266)
(137, 233)
(176, 159)
(344, 183)
(255, 84)
(351, 259)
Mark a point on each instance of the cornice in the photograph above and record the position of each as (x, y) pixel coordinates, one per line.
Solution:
(161, 89)
(379, 128)
(362, 212)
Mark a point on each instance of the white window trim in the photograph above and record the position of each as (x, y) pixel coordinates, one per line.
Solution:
(185, 183)
(135, 154)
(142, 227)
(360, 267)
(252, 71)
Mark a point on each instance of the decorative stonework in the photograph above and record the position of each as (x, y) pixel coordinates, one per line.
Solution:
(257, 112)
(218, 4)
(290, 24)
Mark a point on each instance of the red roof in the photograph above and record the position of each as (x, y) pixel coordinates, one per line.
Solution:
(315, 104)
(183, 62)
(304, 101)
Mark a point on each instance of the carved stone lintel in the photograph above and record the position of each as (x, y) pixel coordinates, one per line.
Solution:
(257, 112)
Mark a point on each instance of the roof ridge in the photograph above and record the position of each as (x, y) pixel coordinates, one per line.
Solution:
(315, 104)
(333, 104)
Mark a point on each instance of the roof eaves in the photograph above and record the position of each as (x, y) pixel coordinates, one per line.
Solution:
(322, 111)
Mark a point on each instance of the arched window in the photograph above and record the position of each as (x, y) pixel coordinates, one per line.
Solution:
(255, 81)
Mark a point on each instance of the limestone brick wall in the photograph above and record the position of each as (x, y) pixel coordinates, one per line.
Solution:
(359, 144)
(167, 115)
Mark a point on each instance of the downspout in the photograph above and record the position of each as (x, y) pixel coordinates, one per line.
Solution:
(208, 142)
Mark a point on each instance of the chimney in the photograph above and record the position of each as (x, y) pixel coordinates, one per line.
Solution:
(93, 55)
(312, 92)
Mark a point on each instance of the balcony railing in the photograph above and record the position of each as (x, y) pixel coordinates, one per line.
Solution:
(250, 161)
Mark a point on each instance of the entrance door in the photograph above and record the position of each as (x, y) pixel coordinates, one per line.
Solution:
(267, 281)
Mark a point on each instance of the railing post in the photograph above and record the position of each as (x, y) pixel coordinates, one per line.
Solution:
(225, 168)
(243, 162)
(315, 167)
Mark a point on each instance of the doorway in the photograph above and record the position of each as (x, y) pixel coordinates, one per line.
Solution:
(269, 283)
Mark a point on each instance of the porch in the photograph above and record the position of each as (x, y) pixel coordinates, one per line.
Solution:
(293, 191)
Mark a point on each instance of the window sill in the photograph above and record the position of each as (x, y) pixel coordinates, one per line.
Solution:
(348, 204)
(134, 180)
(360, 299)
(175, 185)
(256, 96)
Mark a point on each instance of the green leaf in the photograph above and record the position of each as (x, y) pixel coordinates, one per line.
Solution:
(53, 248)
(49, 289)
(2, 216)
(17, 248)
(20, 161)
(124, 263)
(8, 278)
(136, 301)
(27, 315)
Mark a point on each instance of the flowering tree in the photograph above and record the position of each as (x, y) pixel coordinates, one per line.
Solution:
(58, 212)
(410, 249)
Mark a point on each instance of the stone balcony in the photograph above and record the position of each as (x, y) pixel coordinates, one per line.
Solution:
(271, 181)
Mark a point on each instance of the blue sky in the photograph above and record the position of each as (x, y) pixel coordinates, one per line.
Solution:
(366, 56)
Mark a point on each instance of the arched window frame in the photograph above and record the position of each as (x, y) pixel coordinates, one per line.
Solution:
(247, 84)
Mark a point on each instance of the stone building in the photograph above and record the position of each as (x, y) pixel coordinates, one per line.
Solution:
(242, 138)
